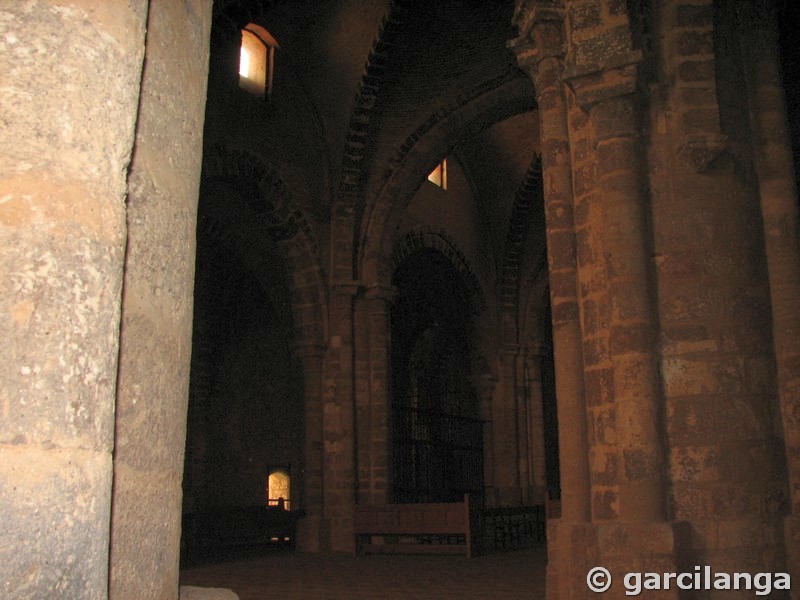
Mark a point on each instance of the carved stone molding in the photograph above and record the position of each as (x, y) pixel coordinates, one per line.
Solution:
(615, 76)
(541, 33)
(382, 292)
(701, 152)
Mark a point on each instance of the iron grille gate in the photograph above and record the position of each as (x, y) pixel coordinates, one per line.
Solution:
(437, 457)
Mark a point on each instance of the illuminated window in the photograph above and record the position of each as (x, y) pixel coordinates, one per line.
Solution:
(439, 175)
(257, 60)
(278, 488)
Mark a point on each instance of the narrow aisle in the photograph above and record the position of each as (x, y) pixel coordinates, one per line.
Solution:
(519, 574)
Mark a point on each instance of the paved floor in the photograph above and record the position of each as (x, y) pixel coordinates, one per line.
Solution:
(271, 574)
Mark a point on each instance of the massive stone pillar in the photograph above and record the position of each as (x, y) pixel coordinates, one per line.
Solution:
(71, 74)
(378, 302)
(309, 529)
(157, 303)
(637, 492)
(726, 461)
(777, 189)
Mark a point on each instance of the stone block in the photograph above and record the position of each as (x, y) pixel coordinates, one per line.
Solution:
(693, 15)
(636, 539)
(630, 338)
(641, 464)
(599, 386)
(586, 246)
(585, 16)
(695, 464)
(595, 315)
(696, 70)
(688, 339)
(683, 376)
(595, 351)
(585, 179)
(695, 42)
(559, 215)
(605, 504)
(697, 96)
(604, 466)
(608, 43)
(562, 284)
(55, 523)
(698, 120)
(564, 312)
(189, 592)
(692, 419)
(561, 250)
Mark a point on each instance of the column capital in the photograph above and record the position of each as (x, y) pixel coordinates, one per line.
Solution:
(615, 76)
(536, 350)
(541, 33)
(701, 151)
(380, 291)
(760, 14)
(308, 349)
(486, 382)
(345, 288)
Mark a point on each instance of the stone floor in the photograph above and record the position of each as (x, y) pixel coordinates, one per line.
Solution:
(263, 574)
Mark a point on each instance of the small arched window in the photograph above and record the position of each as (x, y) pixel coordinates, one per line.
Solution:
(257, 60)
(278, 488)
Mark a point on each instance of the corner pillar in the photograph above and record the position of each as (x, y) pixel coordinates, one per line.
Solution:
(338, 418)
(536, 476)
(378, 299)
(309, 530)
(486, 388)
(779, 210)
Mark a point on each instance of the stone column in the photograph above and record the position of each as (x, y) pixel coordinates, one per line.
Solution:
(486, 387)
(309, 529)
(378, 299)
(339, 461)
(537, 478)
(157, 305)
(68, 102)
(614, 112)
(778, 194)
(522, 401)
(505, 425)
(540, 53)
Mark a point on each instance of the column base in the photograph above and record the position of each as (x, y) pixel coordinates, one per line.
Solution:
(313, 535)
(574, 549)
(791, 533)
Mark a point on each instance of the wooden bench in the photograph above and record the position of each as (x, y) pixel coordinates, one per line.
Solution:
(434, 528)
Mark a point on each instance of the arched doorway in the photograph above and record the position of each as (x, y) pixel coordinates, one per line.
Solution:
(436, 430)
